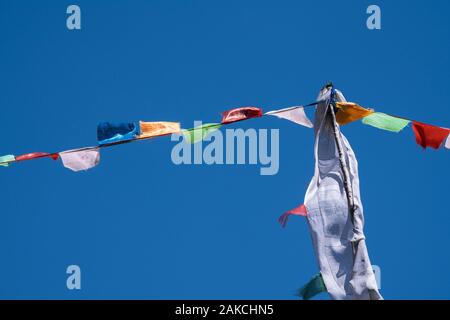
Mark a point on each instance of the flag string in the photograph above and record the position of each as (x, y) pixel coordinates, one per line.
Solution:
(234, 115)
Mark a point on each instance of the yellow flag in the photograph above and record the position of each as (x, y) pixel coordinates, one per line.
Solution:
(349, 112)
(154, 129)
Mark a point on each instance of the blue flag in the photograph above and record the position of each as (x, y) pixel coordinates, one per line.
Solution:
(108, 132)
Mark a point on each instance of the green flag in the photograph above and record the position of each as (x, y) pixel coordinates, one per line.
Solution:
(4, 160)
(312, 288)
(385, 122)
(199, 133)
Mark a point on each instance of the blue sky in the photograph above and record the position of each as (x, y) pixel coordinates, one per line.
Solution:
(140, 226)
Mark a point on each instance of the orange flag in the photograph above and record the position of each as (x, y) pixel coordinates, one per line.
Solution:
(349, 112)
(154, 129)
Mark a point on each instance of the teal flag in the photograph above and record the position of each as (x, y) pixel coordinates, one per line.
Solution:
(312, 288)
(385, 122)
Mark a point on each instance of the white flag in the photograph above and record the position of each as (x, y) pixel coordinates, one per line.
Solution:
(294, 114)
(447, 142)
(338, 240)
(80, 159)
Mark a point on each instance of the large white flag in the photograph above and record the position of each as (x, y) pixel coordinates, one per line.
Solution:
(80, 159)
(294, 114)
(339, 242)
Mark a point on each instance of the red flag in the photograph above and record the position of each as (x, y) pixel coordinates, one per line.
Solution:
(428, 135)
(299, 211)
(36, 155)
(239, 114)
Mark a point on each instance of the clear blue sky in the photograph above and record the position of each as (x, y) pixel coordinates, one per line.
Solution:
(140, 226)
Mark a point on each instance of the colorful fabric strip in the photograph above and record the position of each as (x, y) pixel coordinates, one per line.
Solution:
(385, 122)
(37, 155)
(349, 112)
(294, 114)
(312, 288)
(80, 159)
(240, 114)
(108, 132)
(5, 160)
(299, 211)
(155, 129)
(199, 133)
(428, 135)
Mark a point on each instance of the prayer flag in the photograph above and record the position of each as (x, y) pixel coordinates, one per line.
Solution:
(385, 122)
(349, 112)
(37, 155)
(337, 235)
(108, 132)
(294, 114)
(154, 129)
(5, 160)
(239, 114)
(428, 135)
(312, 288)
(80, 159)
(299, 211)
(199, 133)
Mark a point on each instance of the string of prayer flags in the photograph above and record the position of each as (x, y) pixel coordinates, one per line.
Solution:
(155, 129)
(385, 122)
(294, 114)
(5, 160)
(37, 155)
(299, 211)
(108, 132)
(349, 112)
(240, 114)
(312, 288)
(428, 135)
(199, 133)
(80, 159)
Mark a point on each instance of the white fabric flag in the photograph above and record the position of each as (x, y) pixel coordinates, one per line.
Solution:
(80, 159)
(447, 142)
(338, 242)
(294, 114)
